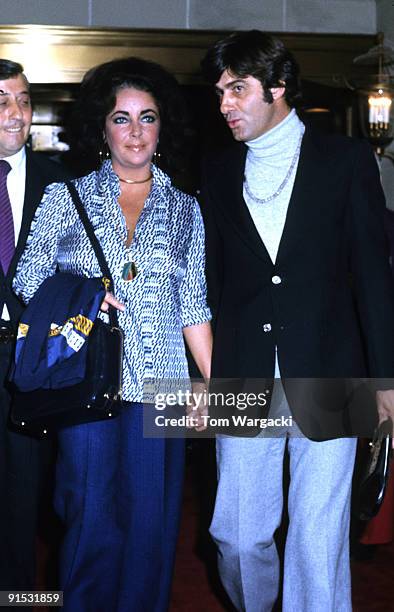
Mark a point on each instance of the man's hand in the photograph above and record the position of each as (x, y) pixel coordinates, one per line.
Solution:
(385, 405)
(199, 406)
(110, 300)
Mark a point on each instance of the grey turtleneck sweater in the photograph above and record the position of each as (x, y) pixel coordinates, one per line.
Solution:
(268, 161)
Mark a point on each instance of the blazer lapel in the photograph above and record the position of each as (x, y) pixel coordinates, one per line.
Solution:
(303, 205)
(228, 182)
(33, 193)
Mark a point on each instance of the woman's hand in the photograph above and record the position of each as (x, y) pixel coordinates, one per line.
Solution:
(110, 300)
(198, 409)
(199, 341)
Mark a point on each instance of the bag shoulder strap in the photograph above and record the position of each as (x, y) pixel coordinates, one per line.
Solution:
(94, 242)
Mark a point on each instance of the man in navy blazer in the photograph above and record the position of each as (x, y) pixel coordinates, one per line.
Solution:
(302, 294)
(21, 459)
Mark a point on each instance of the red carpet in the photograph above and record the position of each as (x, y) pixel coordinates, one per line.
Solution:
(196, 587)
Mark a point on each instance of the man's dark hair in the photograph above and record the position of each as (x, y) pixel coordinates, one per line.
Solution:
(97, 97)
(255, 54)
(9, 69)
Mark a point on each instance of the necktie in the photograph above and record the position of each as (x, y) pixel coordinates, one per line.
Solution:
(7, 235)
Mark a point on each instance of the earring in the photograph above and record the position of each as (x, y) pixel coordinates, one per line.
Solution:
(104, 153)
(157, 158)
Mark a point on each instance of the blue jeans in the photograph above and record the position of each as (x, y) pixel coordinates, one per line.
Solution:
(119, 495)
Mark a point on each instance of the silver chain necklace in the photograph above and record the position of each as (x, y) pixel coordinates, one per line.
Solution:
(283, 183)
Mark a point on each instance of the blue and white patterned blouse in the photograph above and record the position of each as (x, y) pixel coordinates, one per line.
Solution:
(169, 291)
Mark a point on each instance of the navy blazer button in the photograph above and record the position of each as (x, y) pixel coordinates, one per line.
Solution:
(267, 327)
(276, 280)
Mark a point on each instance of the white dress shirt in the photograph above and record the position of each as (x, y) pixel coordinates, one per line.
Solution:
(16, 181)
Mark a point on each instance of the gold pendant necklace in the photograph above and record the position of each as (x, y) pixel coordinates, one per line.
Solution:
(129, 269)
(132, 182)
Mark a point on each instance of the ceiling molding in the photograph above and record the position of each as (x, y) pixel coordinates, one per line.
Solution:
(62, 54)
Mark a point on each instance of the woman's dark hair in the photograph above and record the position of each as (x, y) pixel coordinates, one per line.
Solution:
(97, 97)
(255, 54)
(9, 69)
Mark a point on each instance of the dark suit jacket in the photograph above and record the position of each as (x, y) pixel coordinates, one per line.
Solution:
(24, 462)
(40, 171)
(332, 314)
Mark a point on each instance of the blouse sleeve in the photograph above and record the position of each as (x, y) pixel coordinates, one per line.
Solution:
(39, 259)
(193, 289)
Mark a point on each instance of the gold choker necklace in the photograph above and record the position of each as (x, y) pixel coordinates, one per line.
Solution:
(131, 182)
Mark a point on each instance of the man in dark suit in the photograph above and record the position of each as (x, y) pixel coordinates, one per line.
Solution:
(24, 175)
(302, 294)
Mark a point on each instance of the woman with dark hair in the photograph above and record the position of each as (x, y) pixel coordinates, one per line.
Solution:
(97, 97)
(117, 491)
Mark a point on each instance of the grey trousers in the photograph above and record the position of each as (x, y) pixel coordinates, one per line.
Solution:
(248, 510)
